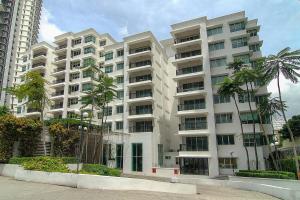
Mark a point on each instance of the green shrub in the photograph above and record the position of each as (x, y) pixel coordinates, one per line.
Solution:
(99, 170)
(69, 160)
(19, 160)
(266, 174)
(289, 164)
(47, 164)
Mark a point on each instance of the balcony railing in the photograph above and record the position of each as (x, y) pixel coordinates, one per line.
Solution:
(134, 95)
(134, 111)
(57, 93)
(140, 79)
(145, 128)
(190, 89)
(58, 81)
(189, 70)
(39, 54)
(185, 147)
(140, 49)
(193, 126)
(185, 39)
(61, 47)
(38, 65)
(188, 54)
(59, 69)
(57, 106)
(60, 58)
(196, 106)
(140, 64)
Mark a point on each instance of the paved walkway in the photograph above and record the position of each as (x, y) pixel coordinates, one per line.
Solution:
(18, 190)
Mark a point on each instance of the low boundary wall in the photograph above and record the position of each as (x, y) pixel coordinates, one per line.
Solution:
(94, 181)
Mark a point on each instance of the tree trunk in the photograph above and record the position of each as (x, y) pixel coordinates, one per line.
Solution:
(242, 130)
(288, 127)
(254, 132)
(43, 133)
(268, 141)
(276, 150)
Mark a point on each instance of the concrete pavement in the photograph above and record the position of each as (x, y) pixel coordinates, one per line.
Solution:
(18, 190)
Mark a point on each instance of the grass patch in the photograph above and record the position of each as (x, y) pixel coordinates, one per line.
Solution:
(97, 169)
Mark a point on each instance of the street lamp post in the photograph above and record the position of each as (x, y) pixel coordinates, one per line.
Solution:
(82, 115)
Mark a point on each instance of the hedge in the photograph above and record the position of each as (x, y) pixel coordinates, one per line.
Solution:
(289, 164)
(99, 170)
(46, 164)
(266, 174)
(21, 160)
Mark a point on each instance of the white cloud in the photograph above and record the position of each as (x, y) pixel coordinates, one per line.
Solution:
(124, 31)
(48, 30)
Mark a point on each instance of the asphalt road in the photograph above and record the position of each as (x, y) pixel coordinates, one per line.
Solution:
(18, 190)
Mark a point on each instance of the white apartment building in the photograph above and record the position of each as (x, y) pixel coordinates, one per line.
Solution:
(167, 114)
(21, 32)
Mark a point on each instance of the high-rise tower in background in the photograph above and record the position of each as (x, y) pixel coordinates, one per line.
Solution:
(19, 26)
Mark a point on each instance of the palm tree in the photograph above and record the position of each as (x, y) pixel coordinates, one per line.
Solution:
(230, 88)
(287, 63)
(35, 91)
(246, 76)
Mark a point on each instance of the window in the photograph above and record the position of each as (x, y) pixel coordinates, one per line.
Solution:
(246, 118)
(72, 101)
(74, 76)
(220, 62)
(89, 50)
(120, 66)
(75, 64)
(214, 31)
(109, 69)
(120, 79)
(254, 47)
(73, 88)
(87, 87)
(87, 73)
(240, 42)
(243, 98)
(75, 53)
(108, 126)
(244, 58)
(225, 139)
(120, 52)
(217, 79)
(109, 56)
(119, 156)
(120, 94)
(227, 163)
(23, 68)
(76, 41)
(90, 38)
(252, 32)
(223, 118)
(119, 125)
(260, 139)
(196, 144)
(101, 54)
(137, 157)
(221, 99)
(19, 110)
(107, 111)
(88, 62)
(120, 109)
(102, 43)
(237, 26)
(216, 46)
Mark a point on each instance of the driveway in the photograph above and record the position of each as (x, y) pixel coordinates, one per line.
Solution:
(18, 190)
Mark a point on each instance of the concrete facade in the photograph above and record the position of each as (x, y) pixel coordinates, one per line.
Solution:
(167, 108)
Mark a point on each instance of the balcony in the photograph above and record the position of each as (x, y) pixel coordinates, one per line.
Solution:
(185, 147)
(192, 126)
(38, 66)
(57, 106)
(60, 59)
(58, 82)
(140, 129)
(42, 54)
(139, 113)
(59, 71)
(60, 47)
(140, 80)
(187, 40)
(139, 51)
(58, 94)
(139, 66)
(189, 89)
(183, 107)
(189, 72)
(187, 56)
(140, 96)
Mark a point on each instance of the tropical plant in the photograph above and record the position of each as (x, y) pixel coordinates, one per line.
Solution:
(246, 76)
(4, 110)
(230, 88)
(34, 89)
(294, 124)
(287, 63)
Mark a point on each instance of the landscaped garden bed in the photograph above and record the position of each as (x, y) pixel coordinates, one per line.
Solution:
(266, 174)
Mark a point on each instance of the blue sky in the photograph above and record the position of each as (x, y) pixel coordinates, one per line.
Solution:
(279, 20)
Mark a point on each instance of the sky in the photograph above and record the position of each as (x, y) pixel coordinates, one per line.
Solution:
(279, 20)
